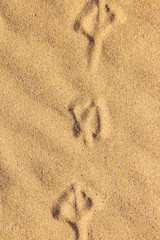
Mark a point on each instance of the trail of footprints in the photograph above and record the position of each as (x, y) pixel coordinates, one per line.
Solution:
(76, 206)
(96, 20)
(91, 119)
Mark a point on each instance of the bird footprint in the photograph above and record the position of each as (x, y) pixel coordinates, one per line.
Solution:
(91, 121)
(76, 206)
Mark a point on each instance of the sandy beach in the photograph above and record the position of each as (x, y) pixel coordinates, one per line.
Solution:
(79, 154)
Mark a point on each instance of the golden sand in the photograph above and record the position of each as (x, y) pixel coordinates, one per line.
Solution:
(79, 120)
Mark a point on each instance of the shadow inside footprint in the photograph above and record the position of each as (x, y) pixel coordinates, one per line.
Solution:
(75, 228)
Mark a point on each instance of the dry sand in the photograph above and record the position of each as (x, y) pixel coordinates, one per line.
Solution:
(43, 70)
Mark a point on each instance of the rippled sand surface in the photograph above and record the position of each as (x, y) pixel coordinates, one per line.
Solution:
(42, 71)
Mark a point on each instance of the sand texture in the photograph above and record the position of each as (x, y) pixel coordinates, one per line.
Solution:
(79, 120)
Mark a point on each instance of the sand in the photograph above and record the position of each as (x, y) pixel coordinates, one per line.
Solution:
(100, 181)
